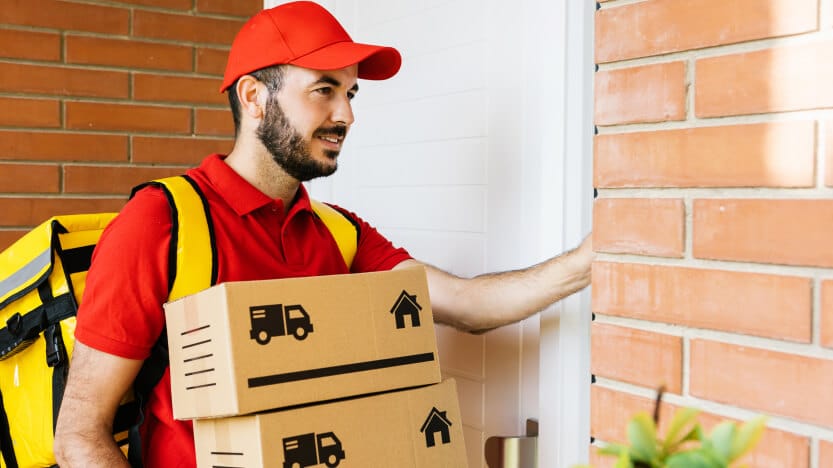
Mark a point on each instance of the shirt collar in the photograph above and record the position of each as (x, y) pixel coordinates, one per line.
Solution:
(242, 196)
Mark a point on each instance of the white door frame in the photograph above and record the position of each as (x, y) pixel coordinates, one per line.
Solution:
(565, 45)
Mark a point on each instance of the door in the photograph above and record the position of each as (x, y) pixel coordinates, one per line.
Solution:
(460, 158)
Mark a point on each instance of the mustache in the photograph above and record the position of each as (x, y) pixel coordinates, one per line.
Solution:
(339, 131)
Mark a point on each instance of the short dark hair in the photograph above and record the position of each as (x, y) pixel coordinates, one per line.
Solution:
(272, 77)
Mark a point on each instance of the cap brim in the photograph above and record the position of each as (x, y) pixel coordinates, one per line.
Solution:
(375, 62)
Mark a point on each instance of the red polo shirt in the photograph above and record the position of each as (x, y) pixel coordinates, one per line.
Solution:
(121, 311)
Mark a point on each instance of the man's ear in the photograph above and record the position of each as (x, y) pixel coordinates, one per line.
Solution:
(252, 96)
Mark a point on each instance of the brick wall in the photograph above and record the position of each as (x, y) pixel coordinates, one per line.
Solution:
(98, 96)
(714, 222)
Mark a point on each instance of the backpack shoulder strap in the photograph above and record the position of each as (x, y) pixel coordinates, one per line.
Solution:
(192, 267)
(343, 229)
(192, 259)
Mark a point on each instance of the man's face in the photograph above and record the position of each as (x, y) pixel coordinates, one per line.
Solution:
(306, 121)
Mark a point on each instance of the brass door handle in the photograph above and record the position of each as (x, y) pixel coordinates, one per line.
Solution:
(514, 452)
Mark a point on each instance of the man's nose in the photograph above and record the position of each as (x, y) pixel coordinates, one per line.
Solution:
(343, 111)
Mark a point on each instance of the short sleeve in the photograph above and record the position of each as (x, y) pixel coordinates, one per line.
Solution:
(374, 252)
(121, 309)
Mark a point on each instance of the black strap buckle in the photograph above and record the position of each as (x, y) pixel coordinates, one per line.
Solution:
(56, 352)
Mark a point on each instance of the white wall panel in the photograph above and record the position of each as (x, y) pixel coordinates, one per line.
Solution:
(462, 115)
(448, 209)
(459, 253)
(446, 162)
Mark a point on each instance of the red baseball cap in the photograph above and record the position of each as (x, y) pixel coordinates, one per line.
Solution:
(306, 35)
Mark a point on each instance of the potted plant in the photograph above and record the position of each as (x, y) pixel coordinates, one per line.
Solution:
(685, 445)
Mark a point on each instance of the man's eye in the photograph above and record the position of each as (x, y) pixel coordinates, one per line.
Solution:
(324, 91)
(350, 96)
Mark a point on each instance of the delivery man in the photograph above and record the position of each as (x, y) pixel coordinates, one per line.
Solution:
(291, 75)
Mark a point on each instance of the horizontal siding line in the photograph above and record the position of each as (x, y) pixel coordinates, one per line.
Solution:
(720, 50)
(726, 411)
(723, 265)
(717, 193)
(389, 228)
(369, 27)
(814, 351)
(397, 102)
(710, 122)
(434, 231)
(358, 148)
(371, 188)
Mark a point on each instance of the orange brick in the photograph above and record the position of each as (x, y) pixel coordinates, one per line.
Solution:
(127, 117)
(597, 460)
(173, 4)
(16, 112)
(751, 303)
(211, 61)
(762, 380)
(642, 30)
(30, 211)
(128, 53)
(214, 122)
(828, 131)
(30, 45)
(20, 78)
(637, 357)
(827, 314)
(29, 178)
(44, 146)
(185, 28)
(776, 154)
(610, 411)
(111, 180)
(825, 453)
(772, 80)
(7, 238)
(178, 89)
(177, 150)
(650, 93)
(642, 226)
(244, 8)
(65, 15)
(790, 232)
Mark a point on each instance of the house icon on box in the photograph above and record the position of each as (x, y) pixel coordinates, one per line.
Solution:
(436, 422)
(406, 305)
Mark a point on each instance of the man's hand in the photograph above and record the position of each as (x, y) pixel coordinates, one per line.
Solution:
(496, 299)
(84, 433)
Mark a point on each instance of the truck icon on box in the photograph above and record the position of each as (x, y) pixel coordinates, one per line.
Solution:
(312, 449)
(278, 320)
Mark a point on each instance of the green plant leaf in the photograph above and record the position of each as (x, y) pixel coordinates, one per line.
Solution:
(678, 432)
(747, 436)
(722, 437)
(612, 449)
(698, 458)
(642, 435)
(624, 460)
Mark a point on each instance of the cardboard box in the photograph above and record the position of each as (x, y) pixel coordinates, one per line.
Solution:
(408, 428)
(243, 347)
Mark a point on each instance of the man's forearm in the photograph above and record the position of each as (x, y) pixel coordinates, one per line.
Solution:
(496, 299)
(85, 450)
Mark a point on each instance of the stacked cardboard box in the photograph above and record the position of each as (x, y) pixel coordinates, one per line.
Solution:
(331, 370)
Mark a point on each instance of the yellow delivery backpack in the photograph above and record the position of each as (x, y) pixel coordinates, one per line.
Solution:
(42, 278)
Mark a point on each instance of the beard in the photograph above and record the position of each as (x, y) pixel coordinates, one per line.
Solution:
(287, 145)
